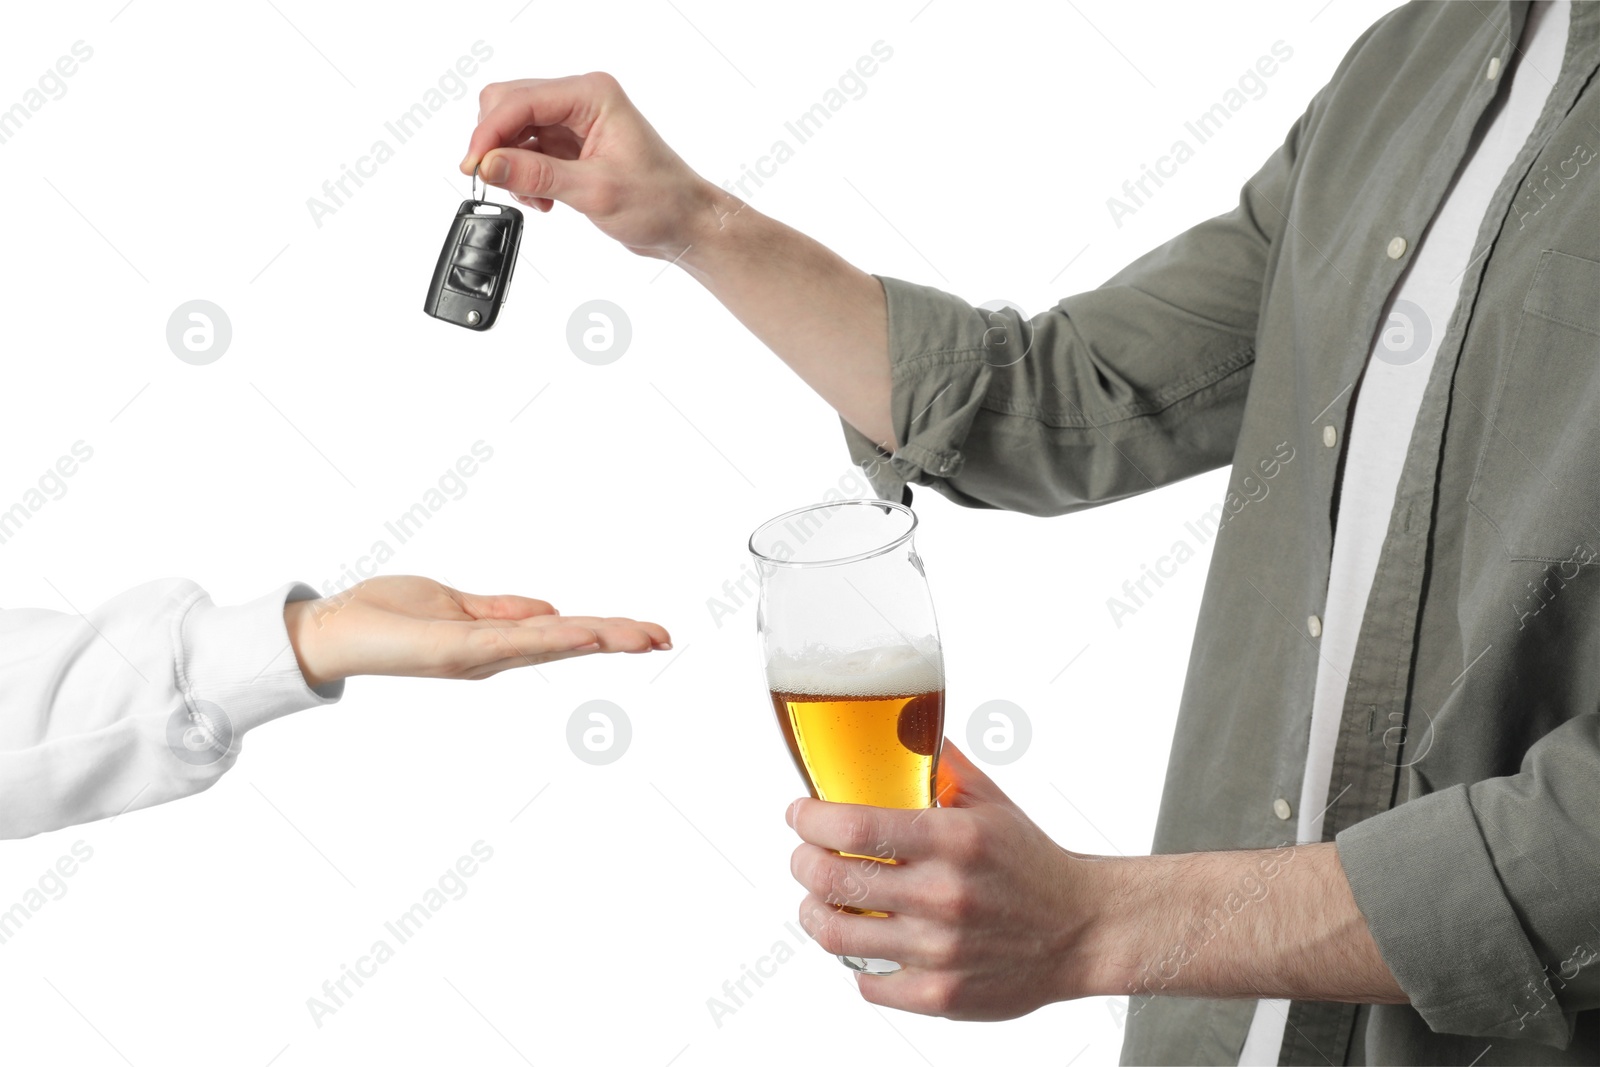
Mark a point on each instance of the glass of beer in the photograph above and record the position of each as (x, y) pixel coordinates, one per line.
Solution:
(852, 658)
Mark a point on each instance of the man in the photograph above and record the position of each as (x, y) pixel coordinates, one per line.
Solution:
(1397, 661)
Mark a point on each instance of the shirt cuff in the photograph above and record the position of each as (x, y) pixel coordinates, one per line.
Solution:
(239, 659)
(1426, 883)
(939, 358)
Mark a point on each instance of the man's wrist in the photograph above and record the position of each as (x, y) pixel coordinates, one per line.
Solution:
(720, 227)
(1116, 938)
(1154, 917)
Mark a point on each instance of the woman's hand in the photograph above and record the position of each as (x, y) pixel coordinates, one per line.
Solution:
(581, 141)
(403, 625)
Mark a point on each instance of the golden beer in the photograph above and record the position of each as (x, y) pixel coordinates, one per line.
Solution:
(863, 727)
(878, 750)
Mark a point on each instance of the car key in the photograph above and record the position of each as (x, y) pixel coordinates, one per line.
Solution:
(475, 265)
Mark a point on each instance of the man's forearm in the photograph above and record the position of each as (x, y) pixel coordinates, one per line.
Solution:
(1253, 924)
(990, 919)
(822, 316)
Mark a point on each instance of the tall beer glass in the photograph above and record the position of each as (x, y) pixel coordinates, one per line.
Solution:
(852, 658)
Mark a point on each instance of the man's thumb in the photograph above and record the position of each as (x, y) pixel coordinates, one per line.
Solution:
(528, 173)
(961, 784)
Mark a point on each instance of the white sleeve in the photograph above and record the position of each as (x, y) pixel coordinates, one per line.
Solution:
(142, 701)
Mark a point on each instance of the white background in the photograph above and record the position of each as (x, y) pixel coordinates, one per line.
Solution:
(177, 166)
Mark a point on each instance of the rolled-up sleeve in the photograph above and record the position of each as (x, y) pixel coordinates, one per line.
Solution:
(1136, 384)
(1482, 897)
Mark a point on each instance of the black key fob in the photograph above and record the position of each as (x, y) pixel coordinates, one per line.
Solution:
(474, 269)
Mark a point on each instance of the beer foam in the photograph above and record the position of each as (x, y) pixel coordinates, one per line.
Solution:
(885, 671)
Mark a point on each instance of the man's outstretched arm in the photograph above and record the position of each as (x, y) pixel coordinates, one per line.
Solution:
(1136, 384)
(581, 141)
(991, 919)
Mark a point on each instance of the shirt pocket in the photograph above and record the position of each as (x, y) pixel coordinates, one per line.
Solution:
(1538, 474)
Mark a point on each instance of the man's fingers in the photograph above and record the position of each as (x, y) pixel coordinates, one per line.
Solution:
(507, 110)
(921, 948)
(844, 934)
(558, 141)
(922, 992)
(852, 881)
(490, 95)
(888, 833)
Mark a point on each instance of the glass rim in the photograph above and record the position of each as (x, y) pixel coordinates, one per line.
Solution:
(887, 546)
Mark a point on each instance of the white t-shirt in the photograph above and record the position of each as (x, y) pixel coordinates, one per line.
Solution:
(1398, 368)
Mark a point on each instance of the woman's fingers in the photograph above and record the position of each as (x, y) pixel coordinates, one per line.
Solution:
(619, 634)
(510, 646)
(489, 645)
(504, 606)
(613, 634)
(495, 644)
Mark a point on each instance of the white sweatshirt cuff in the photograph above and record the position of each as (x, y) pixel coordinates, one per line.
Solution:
(239, 659)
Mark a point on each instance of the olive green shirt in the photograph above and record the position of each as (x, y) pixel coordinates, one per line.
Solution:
(1466, 780)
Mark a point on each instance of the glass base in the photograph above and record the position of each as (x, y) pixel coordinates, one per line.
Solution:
(866, 965)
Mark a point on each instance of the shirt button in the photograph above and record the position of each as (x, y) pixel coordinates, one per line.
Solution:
(1330, 436)
(1314, 626)
(1397, 248)
(1494, 67)
(1281, 809)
